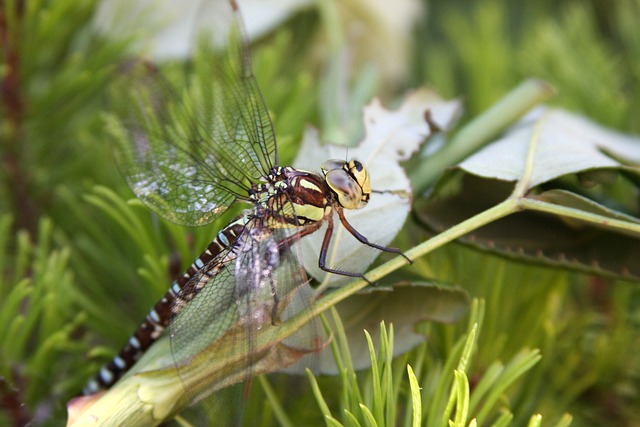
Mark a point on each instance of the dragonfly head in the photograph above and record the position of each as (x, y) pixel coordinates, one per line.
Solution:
(350, 182)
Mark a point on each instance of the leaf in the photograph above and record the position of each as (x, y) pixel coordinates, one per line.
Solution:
(576, 166)
(405, 306)
(567, 144)
(534, 236)
(391, 137)
(416, 403)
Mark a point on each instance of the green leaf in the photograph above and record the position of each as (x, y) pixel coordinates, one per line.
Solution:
(565, 144)
(416, 402)
(547, 238)
(406, 305)
(543, 155)
(371, 420)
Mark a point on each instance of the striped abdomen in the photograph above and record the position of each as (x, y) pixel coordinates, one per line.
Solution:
(161, 314)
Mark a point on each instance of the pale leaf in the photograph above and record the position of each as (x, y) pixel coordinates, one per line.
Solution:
(567, 144)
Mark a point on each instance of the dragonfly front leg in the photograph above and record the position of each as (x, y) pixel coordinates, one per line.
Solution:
(355, 233)
(322, 260)
(276, 301)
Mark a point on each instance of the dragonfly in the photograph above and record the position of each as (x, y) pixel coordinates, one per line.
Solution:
(192, 157)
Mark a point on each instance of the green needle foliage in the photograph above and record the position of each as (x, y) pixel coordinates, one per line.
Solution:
(384, 396)
(81, 263)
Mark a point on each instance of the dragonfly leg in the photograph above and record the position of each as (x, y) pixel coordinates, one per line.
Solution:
(290, 240)
(322, 260)
(276, 300)
(355, 233)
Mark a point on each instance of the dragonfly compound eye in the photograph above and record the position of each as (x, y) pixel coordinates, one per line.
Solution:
(333, 164)
(346, 188)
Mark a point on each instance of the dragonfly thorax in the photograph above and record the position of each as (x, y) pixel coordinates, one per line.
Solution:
(291, 198)
(296, 198)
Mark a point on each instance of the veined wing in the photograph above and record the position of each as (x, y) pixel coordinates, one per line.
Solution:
(227, 333)
(189, 151)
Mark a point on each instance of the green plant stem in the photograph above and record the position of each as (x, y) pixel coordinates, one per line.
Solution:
(612, 224)
(505, 208)
(509, 206)
(280, 413)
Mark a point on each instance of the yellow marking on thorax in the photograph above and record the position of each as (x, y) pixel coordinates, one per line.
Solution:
(305, 214)
(305, 183)
(312, 213)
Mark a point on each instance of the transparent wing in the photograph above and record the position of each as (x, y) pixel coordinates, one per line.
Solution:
(191, 149)
(229, 331)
